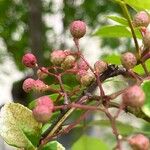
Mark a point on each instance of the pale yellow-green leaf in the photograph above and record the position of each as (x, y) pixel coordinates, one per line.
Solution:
(18, 127)
(139, 4)
(53, 145)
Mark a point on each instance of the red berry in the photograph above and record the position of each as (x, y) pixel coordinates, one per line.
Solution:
(100, 66)
(42, 113)
(28, 84)
(142, 18)
(78, 29)
(57, 57)
(128, 60)
(45, 100)
(40, 86)
(29, 60)
(133, 96)
(146, 39)
(139, 142)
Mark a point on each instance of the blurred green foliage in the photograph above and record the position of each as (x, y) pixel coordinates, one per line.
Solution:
(15, 28)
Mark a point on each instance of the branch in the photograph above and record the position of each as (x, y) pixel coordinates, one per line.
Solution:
(110, 72)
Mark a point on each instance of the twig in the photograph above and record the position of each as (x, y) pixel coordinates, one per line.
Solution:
(110, 72)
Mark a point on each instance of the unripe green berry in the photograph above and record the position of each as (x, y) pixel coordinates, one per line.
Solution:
(87, 79)
(128, 60)
(57, 57)
(133, 96)
(100, 66)
(68, 62)
(139, 142)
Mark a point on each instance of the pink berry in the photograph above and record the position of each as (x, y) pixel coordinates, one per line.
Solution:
(142, 18)
(40, 86)
(146, 39)
(28, 84)
(87, 79)
(69, 62)
(45, 100)
(139, 142)
(29, 60)
(41, 73)
(128, 60)
(57, 57)
(67, 52)
(82, 65)
(80, 74)
(100, 66)
(133, 96)
(42, 113)
(78, 29)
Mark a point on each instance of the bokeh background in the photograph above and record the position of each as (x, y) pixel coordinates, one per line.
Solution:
(39, 26)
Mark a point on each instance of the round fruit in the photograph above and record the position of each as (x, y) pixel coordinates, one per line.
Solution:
(57, 57)
(128, 60)
(28, 85)
(78, 29)
(139, 142)
(142, 18)
(42, 113)
(29, 60)
(133, 96)
(100, 66)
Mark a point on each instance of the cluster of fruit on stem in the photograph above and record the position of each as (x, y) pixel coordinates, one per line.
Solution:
(73, 62)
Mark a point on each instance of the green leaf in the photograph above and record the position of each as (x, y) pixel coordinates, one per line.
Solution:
(139, 4)
(119, 20)
(54, 145)
(115, 31)
(112, 59)
(146, 87)
(57, 86)
(18, 127)
(89, 143)
(139, 69)
(124, 129)
(115, 59)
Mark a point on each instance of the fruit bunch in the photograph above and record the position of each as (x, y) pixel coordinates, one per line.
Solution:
(69, 62)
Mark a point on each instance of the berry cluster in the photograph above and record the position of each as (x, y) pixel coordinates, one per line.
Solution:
(73, 62)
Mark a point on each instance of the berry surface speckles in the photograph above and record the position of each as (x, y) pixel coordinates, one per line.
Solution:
(133, 96)
(57, 57)
(139, 142)
(78, 29)
(128, 60)
(28, 85)
(29, 60)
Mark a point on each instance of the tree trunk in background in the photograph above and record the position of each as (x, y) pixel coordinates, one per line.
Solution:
(35, 28)
(35, 39)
